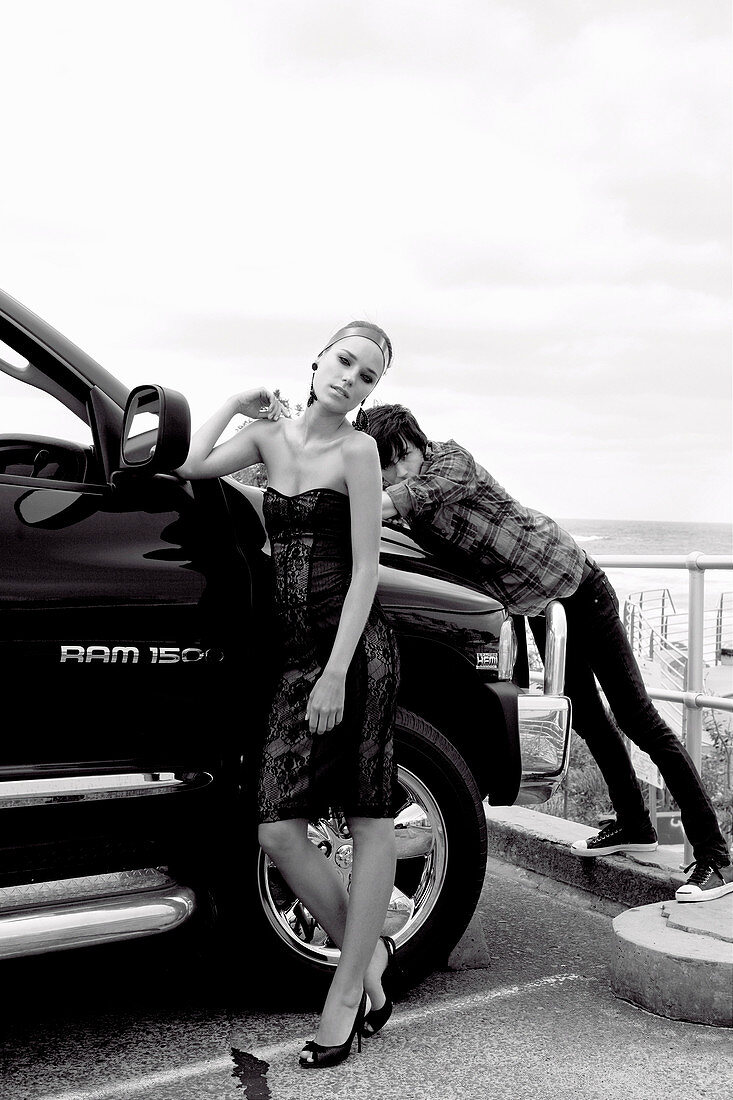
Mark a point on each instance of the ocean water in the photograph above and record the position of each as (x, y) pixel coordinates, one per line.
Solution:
(650, 537)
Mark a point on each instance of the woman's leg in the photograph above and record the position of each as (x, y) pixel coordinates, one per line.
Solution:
(308, 873)
(317, 883)
(371, 888)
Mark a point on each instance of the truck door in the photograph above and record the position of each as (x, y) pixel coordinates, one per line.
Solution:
(124, 608)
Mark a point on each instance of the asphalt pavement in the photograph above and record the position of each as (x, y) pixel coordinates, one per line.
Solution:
(539, 1020)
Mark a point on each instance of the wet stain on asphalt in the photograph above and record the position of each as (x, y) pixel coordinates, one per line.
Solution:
(252, 1074)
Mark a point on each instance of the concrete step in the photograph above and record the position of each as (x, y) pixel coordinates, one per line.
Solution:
(541, 843)
(672, 958)
(677, 963)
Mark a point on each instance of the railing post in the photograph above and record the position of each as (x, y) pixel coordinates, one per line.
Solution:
(694, 676)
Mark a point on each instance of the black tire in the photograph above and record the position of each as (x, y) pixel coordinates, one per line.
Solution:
(421, 749)
(440, 886)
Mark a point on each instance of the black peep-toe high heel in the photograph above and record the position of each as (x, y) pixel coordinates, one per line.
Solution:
(332, 1056)
(377, 1017)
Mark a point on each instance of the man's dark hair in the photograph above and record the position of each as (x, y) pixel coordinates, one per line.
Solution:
(395, 428)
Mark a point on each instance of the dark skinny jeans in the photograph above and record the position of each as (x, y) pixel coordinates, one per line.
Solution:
(598, 646)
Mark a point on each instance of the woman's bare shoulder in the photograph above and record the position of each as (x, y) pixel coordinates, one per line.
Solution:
(266, 435)
(359, 444)
(265, 427)
(266, 431)
(360, 460)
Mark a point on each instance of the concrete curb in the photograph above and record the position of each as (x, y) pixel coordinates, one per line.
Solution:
(541, 843)
(675, 970)
(674, 959)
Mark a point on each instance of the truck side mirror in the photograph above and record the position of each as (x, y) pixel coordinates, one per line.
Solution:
(156, 431)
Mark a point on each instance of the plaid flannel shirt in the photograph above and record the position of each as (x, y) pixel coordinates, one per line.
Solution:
(459, 512)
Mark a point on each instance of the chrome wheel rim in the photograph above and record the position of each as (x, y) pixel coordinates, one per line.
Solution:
(422, 860)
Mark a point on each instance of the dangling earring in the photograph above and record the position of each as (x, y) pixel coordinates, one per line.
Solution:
(312, 395)
(362, 420)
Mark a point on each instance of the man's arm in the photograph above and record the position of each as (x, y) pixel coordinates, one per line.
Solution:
(388, 509)
(446, 478)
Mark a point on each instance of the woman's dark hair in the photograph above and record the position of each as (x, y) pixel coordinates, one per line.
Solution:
(395, 428)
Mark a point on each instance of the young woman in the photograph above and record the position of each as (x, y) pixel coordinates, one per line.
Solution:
(329, 738)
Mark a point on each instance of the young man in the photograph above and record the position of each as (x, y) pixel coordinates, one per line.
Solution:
(458, 511)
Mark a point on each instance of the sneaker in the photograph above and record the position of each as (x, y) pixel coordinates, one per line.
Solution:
(706, 882)
(615, 838)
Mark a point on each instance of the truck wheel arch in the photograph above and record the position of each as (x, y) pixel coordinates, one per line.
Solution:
(443, 688)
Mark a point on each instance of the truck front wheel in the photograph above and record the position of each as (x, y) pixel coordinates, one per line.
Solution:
(440, 834)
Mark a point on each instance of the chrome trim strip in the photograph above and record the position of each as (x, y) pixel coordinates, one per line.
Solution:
(507, 650)
(16, 793)
(556, 632)
(102, 920)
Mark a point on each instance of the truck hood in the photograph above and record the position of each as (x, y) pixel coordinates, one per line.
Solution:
(409, 577)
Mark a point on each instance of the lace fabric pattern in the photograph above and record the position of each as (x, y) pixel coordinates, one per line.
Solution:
(351, 768)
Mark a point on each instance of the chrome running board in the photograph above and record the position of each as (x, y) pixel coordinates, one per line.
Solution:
(57, 790)
(57, 916)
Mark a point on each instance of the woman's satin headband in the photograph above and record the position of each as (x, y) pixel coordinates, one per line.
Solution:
(368, 334)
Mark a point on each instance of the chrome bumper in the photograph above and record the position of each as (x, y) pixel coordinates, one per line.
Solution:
(544, 738)
(68, 913)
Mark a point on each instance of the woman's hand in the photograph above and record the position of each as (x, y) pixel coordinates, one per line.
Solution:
(259, 404)
(325, 707)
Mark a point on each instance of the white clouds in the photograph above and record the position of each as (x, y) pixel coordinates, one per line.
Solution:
(531, 196)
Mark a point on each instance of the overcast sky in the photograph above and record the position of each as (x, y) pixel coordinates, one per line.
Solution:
(531, 196)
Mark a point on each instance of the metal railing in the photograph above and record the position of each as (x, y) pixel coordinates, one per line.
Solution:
(692, 697)
(657, 633)
(652, 623)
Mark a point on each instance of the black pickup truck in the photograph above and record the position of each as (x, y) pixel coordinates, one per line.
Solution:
(134, 656)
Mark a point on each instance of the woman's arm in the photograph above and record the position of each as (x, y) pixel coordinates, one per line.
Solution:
(205, 459)
(364, 482)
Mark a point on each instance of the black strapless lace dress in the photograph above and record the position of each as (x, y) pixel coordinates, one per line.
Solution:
(351, 767)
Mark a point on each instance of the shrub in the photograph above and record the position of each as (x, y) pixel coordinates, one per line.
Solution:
(583, 795)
